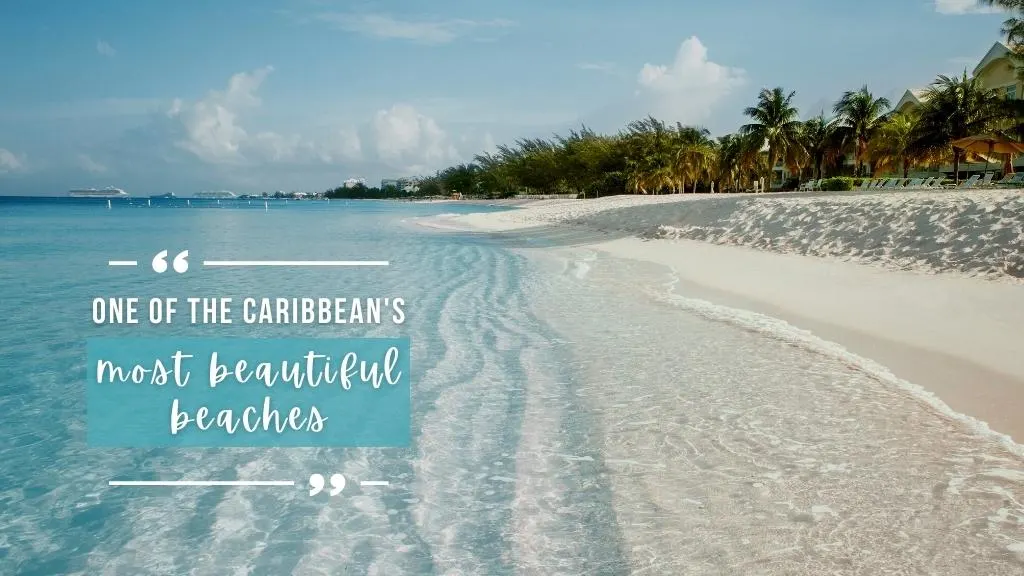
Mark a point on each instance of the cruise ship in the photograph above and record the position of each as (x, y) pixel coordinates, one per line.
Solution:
(215, 194)
(108, 192)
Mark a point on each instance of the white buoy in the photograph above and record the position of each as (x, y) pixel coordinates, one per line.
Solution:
(266, 206)
(218, 202)
(109, 205)
(149, 201)
(188, 202)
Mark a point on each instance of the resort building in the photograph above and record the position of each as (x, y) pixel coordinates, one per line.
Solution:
(353, 182)
(997, 71)
(406, 185)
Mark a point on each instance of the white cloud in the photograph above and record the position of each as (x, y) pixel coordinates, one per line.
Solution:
(688, 89)
(212, 131)
(423, 31)
(10, 162)
(407, 139)
(963, 7)
(105, 49)
(89, 165)
(489, 145)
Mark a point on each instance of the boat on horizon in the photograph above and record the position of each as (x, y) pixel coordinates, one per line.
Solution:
(108, 192)
(163, 196)
(215, 194)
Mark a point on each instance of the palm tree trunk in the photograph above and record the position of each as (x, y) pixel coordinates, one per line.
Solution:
(906, 167)
(956, 166)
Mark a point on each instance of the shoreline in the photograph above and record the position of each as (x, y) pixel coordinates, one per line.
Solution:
(953, 336)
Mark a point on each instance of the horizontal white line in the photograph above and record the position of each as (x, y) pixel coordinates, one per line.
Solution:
(296, 263)
(202, 483)
(123, 263)
(374, 483)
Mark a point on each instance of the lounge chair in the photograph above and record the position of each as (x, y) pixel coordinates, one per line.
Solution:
(1015, 179)
(881, 183)
(865, 184)
(987, 181)
(969, 183)
(913, 184)
(894, 183)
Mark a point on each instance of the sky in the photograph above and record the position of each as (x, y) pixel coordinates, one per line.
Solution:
(254, 95)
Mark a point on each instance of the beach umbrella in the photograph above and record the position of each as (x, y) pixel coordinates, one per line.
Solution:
(988, 144)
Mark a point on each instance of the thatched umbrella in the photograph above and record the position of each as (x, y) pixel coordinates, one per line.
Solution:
(988, 144)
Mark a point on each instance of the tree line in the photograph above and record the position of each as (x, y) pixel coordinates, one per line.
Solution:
(650, 156)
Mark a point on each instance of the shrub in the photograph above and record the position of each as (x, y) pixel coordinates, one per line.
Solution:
(838, 184)
(857, 182)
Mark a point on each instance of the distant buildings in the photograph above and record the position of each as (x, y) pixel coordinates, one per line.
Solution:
(406, 185)
(353, 182)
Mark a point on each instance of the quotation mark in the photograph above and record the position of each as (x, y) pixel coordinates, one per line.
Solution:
(316, 484)
(180, 262)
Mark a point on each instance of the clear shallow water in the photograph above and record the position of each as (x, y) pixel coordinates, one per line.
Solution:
(570, 417)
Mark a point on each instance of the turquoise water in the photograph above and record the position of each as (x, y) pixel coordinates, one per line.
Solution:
(572, 414)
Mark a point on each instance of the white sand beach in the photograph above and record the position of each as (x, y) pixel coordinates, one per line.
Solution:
(957, 337)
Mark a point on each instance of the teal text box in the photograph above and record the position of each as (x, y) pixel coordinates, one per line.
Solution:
(362, 395)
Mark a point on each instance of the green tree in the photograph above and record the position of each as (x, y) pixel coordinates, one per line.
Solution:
(891, 145)
(822, 141)
(955, 108)
(1013, 27)
(860, 113)
(776, 123)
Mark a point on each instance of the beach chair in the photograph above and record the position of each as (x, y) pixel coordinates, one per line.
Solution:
(864, 184)
(893, 183)
(927, 183)
(881, 183)
(969, 183)
(987, 180)
(913, 184)
(938, 182)
(1016, 179)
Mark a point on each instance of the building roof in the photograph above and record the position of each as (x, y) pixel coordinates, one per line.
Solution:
(914, 96)
(997, 51)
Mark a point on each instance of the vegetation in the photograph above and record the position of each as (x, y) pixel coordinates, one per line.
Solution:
(956, 108)
(859, 115)
(838, 184)
(864, 137)
(361, 191)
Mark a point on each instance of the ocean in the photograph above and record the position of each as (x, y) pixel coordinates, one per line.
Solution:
(572, 414)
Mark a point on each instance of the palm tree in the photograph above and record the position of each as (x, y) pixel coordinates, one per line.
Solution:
(776, 122)
(955, 108)
(694, 154)
(822, 141)
(891, 146)
(859, 113)
(1013, 27)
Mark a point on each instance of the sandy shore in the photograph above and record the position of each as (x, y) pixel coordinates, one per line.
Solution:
(957, 337)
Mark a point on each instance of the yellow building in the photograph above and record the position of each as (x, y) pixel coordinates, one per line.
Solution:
(911, 99)
(997, 71)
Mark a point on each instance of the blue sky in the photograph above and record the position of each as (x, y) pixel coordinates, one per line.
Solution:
(254, 95)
